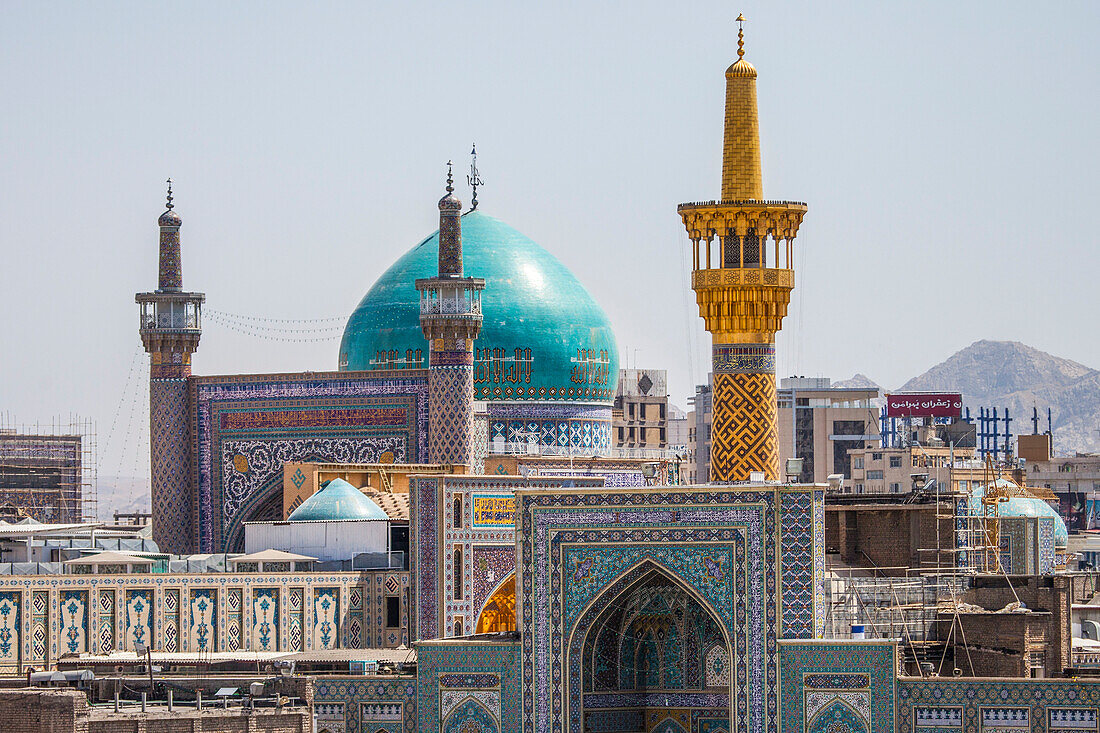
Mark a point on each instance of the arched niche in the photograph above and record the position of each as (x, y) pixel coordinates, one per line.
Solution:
(646, 642)
(837, 717)
(470, 716)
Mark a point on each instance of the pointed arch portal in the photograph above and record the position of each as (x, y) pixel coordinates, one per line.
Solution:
(653, 657)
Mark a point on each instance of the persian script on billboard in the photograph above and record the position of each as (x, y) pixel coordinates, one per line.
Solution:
(924, 404)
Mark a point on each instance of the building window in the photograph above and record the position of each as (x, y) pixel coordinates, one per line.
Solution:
(895, 487)
(458, 573)
(457, 518)
(857, 463)
(459, 630)
(393, 612)
(872, 475)
(895, 461)
(876, 456)
(859, 488)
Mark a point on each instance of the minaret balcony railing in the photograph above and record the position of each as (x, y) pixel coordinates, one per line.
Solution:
(744, 203)
(727, 277)
(450, 306)
(171, 315)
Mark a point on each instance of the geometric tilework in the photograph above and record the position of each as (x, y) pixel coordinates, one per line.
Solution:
(370, 704)
(106, 621)
(798, 565)
(170, 465)
(745, 435)
(40, 624)
(492, 708)
(245, 427)
(580, 546)
(450, 413)
(841, 666)
(1045, 705)
(170, 603)
(234, 620)
(104, 613)
(295, 612)
(558, 429)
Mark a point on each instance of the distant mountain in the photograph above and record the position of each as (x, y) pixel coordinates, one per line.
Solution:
(859, 381)
(1019, 377)
(123, 494)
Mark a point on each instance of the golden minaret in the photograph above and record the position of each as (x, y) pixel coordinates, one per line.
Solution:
(742, 288)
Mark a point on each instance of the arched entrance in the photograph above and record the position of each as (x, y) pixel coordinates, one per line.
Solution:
(654, 657)
(499, 613)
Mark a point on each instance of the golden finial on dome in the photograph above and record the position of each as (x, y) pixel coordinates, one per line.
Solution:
(740, 35)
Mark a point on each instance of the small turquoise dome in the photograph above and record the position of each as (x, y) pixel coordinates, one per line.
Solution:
(1025, 506)
(337, 500)
(544, 337)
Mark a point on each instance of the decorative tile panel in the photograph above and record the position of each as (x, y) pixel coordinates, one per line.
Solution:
(74, 621)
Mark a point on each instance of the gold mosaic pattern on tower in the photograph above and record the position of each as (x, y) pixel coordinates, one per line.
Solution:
(742, 274)
(744, 437)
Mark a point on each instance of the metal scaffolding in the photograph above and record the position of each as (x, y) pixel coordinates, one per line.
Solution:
(48, 470)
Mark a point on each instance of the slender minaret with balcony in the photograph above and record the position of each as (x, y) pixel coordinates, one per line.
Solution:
(742, 292)
(170, 331)
(450, 317)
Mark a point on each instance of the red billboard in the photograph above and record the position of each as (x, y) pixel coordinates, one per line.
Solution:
(924, 404)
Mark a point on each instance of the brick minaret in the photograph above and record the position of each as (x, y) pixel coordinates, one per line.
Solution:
(170, 330)
(450, 316)
(742, 295)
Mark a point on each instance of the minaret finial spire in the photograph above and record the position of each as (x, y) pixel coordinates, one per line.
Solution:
(170, 194)
(740, 35)
(450, 178)
(474, 179)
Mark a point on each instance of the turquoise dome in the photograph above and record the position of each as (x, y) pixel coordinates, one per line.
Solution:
(544, 337)
(1025, 506)
(337, 500)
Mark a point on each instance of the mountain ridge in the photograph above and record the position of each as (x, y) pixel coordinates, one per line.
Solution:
(1020, 377)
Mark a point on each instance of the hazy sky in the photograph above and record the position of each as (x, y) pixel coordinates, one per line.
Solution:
(947, 151)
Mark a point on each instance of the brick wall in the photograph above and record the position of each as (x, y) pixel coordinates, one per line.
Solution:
(299, 720)
(887, 536)
(43, 711)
